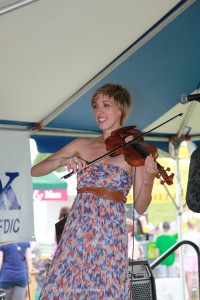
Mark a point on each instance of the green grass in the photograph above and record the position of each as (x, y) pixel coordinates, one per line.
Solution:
(159, 212)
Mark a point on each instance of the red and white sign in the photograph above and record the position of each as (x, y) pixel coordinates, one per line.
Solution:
(39, 195)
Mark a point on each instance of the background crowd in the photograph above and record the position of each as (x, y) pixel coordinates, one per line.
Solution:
(15, 271)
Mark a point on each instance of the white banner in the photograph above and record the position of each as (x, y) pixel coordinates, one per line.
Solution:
(16, 190)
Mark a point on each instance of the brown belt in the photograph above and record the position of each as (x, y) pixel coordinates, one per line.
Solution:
(105, 193)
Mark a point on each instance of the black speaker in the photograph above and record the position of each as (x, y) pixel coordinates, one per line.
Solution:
(142, 280)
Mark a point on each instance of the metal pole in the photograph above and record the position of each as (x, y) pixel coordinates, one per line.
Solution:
(176, 142)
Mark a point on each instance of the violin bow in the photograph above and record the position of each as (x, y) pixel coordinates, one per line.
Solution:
(119, 147)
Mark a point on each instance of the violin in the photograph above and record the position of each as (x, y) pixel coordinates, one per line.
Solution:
(126, 137)
(130, 142)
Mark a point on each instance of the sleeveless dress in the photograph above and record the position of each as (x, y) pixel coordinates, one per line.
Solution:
(91, 261)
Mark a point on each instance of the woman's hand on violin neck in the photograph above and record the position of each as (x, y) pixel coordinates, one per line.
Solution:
(150, 170)
(74, 163)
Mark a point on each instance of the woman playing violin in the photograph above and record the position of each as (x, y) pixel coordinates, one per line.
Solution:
(91, 261)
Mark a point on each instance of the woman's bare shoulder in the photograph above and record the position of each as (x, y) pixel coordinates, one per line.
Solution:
(77, 145)
(83, 141)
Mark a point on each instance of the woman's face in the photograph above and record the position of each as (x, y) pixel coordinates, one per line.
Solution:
(107, 113)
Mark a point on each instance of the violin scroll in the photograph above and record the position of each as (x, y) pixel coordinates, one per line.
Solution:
(165, 177)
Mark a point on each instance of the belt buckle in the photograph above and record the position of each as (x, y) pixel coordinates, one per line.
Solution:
(120, 197)
(106, 194)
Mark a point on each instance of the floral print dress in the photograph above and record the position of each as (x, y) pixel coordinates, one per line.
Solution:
(91, 262)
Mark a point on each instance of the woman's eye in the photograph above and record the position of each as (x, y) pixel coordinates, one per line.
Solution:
(106, 104)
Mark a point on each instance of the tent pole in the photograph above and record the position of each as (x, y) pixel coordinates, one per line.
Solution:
(176, 142)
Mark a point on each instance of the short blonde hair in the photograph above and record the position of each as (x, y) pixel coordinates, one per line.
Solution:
(191, 223)
(121, 97)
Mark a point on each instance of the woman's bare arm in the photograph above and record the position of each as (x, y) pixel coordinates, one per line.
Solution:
(1, 259)
(144, 180)
(67, 156)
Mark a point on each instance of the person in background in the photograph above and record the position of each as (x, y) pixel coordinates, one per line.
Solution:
(13, 269)
(193, 185)
(64, 212)
(138, 251)
(190, 258)
(166, 269)
(91, 261)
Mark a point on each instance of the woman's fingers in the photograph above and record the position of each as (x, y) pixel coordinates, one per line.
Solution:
(151, 165)
(75, 164)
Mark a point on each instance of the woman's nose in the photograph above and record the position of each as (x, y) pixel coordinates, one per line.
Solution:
(100, 108)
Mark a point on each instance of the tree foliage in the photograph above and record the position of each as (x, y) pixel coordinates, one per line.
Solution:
(41, 156)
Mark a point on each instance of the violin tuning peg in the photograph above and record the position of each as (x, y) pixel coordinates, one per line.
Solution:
(168, 169)
(162, 182)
